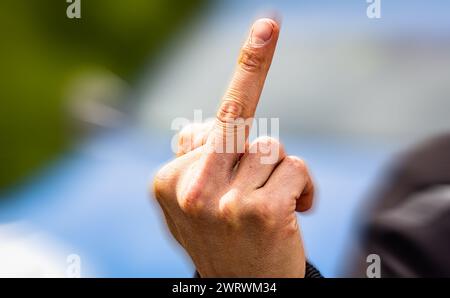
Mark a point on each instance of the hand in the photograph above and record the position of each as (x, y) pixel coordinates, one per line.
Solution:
(233, 214)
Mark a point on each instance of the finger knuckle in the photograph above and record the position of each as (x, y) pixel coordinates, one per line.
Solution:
(297, 163)
(266, 144)
(228, 207)
(162, 183)
(190, 206)
(191, 201)
(157, 190)
(185, 132)
(231, 108)
(251, 59)
(185, 138)
(267, 141)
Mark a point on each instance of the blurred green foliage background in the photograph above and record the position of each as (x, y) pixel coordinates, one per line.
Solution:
(41, 50)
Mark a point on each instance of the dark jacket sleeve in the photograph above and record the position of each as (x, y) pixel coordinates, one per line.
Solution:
(310, 272)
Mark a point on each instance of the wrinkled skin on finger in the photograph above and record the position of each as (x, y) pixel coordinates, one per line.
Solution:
(233, 214)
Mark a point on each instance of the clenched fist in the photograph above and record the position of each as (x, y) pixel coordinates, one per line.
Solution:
(231, 210)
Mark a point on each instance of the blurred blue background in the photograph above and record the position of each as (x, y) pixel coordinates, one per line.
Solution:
(350, 92)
